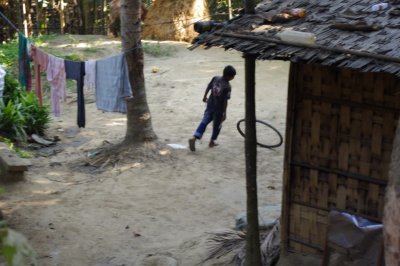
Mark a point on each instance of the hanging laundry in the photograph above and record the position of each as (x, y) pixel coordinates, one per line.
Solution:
(56, 76)
(25, 77)
(2, 75)
(76, 71)
(90, 75)
(41, 60)
(112, 84)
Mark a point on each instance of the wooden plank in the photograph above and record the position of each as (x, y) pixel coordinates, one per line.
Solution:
(289, 144)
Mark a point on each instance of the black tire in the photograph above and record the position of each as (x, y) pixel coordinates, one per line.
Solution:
(260, 144)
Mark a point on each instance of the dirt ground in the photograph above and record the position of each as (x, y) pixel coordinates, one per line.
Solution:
(128, 213)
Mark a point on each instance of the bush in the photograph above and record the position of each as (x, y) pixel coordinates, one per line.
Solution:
(9, 53)
(156, 50)
(21, 113)
(12, 121)
(37, 118)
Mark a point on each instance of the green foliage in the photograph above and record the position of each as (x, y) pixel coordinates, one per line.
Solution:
(37, 118)
(12, 120)
(42, 39)
(9, 53)
(21, 153)
(221, 7)
(10, 85)
(92, 50)
(147, 3)
(16, 249)
(21, 113)
(158, 50)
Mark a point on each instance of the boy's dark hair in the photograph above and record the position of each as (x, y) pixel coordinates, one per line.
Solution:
(229, 71)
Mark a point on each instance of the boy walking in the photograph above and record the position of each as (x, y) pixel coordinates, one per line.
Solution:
(220, 92)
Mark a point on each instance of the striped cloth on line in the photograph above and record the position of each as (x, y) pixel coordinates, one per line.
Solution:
(112, 84)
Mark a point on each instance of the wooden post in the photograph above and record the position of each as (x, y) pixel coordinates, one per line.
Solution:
(253, 254)
(290, 112)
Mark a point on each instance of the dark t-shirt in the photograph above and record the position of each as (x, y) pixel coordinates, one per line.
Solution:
(220, 93)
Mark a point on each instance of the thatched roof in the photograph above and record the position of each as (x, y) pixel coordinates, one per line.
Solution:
(374, 48)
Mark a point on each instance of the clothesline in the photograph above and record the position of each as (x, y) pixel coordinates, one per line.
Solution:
(111, 83)
(8, 21)
(108, 77)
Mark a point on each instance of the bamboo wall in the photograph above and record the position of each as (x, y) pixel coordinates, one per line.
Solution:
(340, 131)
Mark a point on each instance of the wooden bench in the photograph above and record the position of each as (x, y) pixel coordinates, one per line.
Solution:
(12, 167)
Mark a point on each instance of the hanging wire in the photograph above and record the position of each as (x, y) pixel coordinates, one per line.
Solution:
(9, 22)
(138, 46)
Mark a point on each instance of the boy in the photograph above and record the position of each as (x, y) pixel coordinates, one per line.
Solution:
(216, 106)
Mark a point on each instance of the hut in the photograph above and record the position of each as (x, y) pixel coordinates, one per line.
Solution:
(342, 109)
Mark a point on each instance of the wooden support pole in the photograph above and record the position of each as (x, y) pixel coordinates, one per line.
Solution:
(253, 254)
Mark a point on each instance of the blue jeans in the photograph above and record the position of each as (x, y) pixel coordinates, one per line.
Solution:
(209, 116)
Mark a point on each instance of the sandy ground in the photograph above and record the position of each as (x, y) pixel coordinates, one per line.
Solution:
(148, 208)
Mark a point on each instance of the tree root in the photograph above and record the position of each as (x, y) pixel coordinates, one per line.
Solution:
(111, 155)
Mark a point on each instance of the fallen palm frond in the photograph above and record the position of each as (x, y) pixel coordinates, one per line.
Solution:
(223, 243)
(234, 242)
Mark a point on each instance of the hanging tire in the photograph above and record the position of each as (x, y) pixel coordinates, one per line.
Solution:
(267, 125)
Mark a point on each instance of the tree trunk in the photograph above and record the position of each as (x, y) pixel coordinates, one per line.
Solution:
(391, 217)
(87, 10)
(25, 16)
(139, 127)
(38, 17)
(230, 9)
(249, 6)
(253, 254)
(62, 16)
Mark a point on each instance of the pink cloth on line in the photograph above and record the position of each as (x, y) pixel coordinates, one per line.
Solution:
(57, 77)
(90, 75)
(41, 60)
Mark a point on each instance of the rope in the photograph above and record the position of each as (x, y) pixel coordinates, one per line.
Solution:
(130, 49)
(9, 22)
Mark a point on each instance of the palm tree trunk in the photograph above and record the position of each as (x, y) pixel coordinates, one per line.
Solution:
(139, 127)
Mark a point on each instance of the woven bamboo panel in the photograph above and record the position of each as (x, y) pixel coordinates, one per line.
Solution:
(344, 123)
